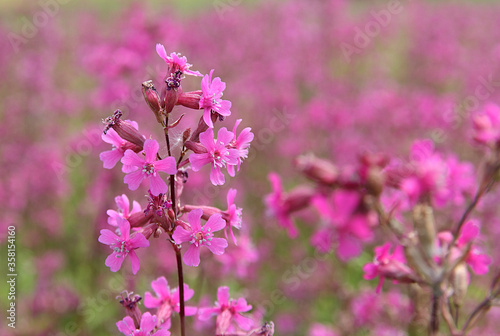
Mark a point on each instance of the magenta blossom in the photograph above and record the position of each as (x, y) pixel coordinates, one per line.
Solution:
(176, 61)
(199, 236)
(167, 301)
(211, 98)
(241, 144)
(486, 125)
(148, 168)
(227, 311)
(111, 157)
(122, 245)
(123, 204)
(217, 154)
(387, 265)
(478, 261)
(147, 326)
(232, 215)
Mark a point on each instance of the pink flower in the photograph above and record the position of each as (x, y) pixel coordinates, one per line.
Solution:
(176, 61)
(232, 215)
(122, 245)
(478, 261)
(167, 301)
(148, 168)
(211, 98)
(486, 125)
(227, 311)
(199, 236)
(346, 222)
(217, 154)
(387, 265)
(147, 326)
(123, 204)
(318, 329)
(280, 205)
(111, 157)
(242, 144)
(238, 259)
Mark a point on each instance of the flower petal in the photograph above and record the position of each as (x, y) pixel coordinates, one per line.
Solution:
(217, 246)
(192, 256)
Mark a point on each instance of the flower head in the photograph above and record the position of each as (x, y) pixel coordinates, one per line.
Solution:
(227, 311)
(176, 62)
(167, 301)
(147, 327)
(211, 98)
(232, 215)
(199, 236)
(123, 204)
(241, 144)
(148, 168)
(123, 245)
(111, 157)
(486, 126)
(216, 153)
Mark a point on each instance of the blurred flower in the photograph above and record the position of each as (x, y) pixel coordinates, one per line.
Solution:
(148, 325)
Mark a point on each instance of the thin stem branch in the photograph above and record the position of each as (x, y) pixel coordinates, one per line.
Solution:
(180, 274)
(434, 323)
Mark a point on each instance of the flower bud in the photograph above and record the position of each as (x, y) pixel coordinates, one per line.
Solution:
(190, 99)
(171, 91)
(129, 301)
(460, 283)
(185, 135)
(319, 170)
(196, 147)
(298, 198)
(124, 129)
(207, 210)
(139, 219)
(153, 99)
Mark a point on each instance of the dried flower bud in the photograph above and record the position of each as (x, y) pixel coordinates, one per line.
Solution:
(319, 170)
(190, 99)
(124, 129)
(460, 283)
(423, 221)
(153, 99)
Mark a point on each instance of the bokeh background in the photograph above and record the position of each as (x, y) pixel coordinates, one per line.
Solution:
(67, 65)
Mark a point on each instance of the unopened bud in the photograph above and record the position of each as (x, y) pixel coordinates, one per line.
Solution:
(153, 99)
(124, 129)
(202, 127)
(186, 134)
(196, 147)
(139, 219)
(299, 198)
(460, 283)
(182, 224)
(319, 170)
(423, 221)
(190, 99)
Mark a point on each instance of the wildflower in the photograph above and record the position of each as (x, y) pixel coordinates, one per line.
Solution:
(111, 157)
(227, 311)
(167, 301)
(241, 144)
(122, 245)
(123, 204)
(215, 153)
(147, 327)
(176, 62)
(211, 98)
(148, 168)
(486, 125)
(387, 265)
(198, 236)
(477, 261)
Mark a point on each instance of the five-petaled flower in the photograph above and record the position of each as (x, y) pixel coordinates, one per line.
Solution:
(241, 143)
(211, 98)
(111, 157)
(216, 153)
(167, 301)
(227, 311)
(199, 236)
(147, 326)
(148, 168)
(176, 62)
(123, 245)
(123, 204)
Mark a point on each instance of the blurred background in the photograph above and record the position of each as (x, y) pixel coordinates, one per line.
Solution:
(331, 77)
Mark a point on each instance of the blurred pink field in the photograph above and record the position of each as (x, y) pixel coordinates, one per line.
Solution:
(373, 154)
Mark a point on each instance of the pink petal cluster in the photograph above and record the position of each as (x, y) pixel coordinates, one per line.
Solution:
(167, 301)
(345, 222)
(176, 61)
(211, 98)
(232, 215)
(387, 265)
(486, 126)
(241, 144)
(199, 236)
(216, 153)
(148, 168)
(123, 245)
(123, 204)
(227, 311)
(147, 326)
(120, 146)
